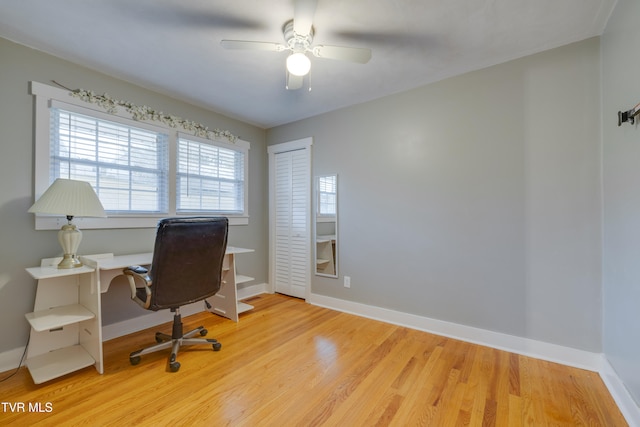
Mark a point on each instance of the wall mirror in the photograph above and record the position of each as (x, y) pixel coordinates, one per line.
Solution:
(326, 225)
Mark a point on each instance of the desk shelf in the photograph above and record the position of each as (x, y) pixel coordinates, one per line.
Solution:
(325, 255)
(58, 317)
(225, 303)
(243, 306)
(66, 330)
(243, 279)
(321, 262)
(59, 362)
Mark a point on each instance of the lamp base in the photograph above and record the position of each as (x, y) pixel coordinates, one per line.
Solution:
(69, 237)
(69, 261)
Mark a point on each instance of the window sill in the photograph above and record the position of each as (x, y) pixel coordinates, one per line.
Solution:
(56, 222)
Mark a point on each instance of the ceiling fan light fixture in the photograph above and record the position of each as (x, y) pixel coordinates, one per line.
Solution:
(298, 64)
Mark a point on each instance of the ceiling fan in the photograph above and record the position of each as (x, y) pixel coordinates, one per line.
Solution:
(298, 37)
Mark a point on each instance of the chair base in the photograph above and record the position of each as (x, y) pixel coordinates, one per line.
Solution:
(175, 341)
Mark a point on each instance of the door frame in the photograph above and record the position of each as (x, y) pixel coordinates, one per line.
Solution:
(272, 150)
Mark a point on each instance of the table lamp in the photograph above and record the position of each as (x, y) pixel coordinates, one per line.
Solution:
(70, 198)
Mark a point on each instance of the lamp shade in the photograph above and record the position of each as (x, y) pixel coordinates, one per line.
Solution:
(70, 198)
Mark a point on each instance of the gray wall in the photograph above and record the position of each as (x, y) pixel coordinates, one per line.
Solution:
(621, 149)
(22, 246)
(474, 200)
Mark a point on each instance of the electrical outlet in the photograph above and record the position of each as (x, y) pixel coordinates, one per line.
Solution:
(347, 281)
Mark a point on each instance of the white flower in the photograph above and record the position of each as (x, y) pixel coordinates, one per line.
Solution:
(145, 113)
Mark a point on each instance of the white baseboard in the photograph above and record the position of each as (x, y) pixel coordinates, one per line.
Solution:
(596, 362)
(252, 291)
(149, 320)
(152, 319)
(620, 394)
(538, 349)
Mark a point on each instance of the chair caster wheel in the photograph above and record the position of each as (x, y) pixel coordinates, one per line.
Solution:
(174, 366)
(203, 332)
(216, 346)
(135, 360)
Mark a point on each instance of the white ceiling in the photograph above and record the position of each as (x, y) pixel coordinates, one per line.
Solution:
(173, 46)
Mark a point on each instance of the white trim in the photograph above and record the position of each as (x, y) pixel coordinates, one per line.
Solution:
(596, 362)
(47, 92)
(55, 223)
(298, 144)
(252, 291)
(239, 145)
(85, 108)
(629, 408)
(538, 349)
(149, 320)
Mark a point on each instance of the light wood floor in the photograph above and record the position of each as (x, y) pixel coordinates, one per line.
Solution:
(288, 363)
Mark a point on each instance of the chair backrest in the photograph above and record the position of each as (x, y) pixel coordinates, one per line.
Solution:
(187, 260)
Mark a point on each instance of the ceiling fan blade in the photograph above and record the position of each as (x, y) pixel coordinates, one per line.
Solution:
(389, 38)
(251, 45)
(352, 54)
(187, 15)
(303, 12)
(294, 82)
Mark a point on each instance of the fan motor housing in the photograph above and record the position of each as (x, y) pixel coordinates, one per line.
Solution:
(294, 40)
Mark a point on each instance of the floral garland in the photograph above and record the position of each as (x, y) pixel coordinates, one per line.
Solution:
(140, 113)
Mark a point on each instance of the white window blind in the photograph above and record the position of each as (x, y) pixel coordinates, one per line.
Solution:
(210, 178)
(127, 166)
(327, 195)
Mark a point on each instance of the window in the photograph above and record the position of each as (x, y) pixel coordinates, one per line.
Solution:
(210, 178)
(141, 171)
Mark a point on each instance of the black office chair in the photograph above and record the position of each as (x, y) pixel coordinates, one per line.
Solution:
(186, 267)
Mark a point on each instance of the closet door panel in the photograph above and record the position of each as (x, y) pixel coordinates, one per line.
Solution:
(291, 222)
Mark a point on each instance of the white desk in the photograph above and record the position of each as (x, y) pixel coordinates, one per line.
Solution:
(66, 322)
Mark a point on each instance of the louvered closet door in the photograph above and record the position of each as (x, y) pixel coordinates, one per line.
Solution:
(291, 222)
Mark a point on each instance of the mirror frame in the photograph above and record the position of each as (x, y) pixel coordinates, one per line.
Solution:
(330, 241)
